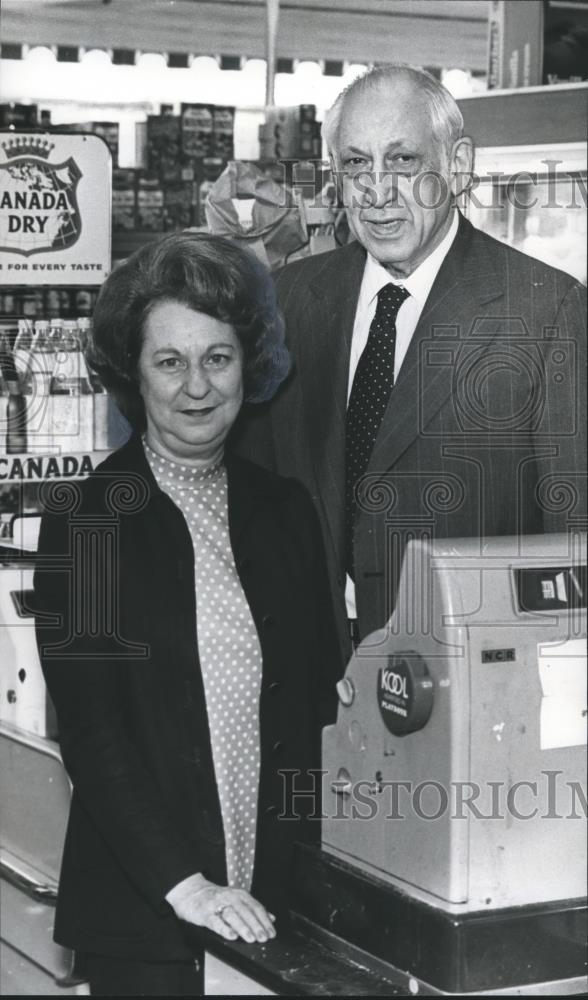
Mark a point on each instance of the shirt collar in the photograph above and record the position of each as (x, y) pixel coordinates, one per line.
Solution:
(174, 474)
(419, 283)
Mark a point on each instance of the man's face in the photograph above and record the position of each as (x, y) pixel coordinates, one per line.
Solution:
(397, 178)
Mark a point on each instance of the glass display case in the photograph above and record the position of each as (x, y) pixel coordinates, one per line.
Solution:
(534, 199)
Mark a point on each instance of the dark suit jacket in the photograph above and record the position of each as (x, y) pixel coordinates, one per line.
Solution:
(116, 570)
(484, 430)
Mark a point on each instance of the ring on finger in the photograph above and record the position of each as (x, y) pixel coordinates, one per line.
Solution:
(221, 909)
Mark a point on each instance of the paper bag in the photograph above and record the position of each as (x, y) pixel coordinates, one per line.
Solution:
(252, 209)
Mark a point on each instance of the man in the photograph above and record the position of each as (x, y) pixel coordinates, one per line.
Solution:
(438, 374)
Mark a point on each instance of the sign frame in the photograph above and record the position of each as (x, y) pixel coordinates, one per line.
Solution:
(55, 209)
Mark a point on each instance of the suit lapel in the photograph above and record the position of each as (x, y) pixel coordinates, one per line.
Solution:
(324, 362)
(466, 284)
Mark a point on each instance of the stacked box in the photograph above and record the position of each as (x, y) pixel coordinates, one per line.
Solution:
(188, 170)
(46, 303)
(31, 302)
(292, 117)
(179, 155)
(84, 301)
(149, 203)
(290, 133)
(54, 304)
(61, 302)
(197, 130)
(515, 44)
(223, 119)
(183, 155)
(124, 200)
(163, 146)
(19, 115)
(178, 205)
(141, 145)
(310, 140)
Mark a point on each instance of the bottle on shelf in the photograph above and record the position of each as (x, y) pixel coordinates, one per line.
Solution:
(22, 348)
(52, 302)
(4, 398)
(85, 334)
(55, 331)
(16, 422)
(13, 416)
(71, 398)
(70, 369)
(7, 366)
(41, 363)
(42, 355)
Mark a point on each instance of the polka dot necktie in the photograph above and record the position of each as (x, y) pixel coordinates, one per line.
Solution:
(372, 384)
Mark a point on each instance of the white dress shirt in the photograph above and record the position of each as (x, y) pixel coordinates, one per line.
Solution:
(418, 284)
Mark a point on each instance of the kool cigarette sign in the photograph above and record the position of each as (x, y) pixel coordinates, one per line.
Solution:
(55, 209)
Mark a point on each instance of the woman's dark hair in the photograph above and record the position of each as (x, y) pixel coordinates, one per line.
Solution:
(209, 274)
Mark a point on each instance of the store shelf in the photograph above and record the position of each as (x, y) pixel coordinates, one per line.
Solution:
(528, 116)
(125, 243)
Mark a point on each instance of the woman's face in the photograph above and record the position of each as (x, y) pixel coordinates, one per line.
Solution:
(191, 380)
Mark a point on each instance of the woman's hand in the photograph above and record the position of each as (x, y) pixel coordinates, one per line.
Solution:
(232, 913)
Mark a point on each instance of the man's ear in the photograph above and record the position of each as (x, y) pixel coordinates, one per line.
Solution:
(462, 165)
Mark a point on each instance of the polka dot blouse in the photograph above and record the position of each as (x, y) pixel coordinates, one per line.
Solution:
(229, 654)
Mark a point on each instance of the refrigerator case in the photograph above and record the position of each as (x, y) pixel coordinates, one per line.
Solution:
(534, 199)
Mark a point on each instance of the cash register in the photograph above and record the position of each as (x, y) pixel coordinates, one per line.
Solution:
(454, 779)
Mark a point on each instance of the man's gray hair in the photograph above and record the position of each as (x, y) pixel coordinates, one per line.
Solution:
(446, 118)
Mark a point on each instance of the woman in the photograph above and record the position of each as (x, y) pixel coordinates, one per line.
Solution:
(184, 629)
